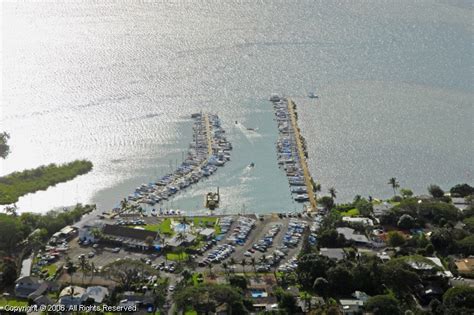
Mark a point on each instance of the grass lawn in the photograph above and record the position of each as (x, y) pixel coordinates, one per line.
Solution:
(164, 227)
(51, 269)
(176, 257)
(190, 312)
(350, 213)
(12, 302)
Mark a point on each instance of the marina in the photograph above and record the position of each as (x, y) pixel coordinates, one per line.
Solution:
(291, 151)
(208, 151)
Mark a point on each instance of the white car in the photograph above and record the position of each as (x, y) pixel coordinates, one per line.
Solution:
(248, 254)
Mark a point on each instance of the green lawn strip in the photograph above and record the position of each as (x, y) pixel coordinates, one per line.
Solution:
(164, 227)
(350, 213)
(12, 302)
(176, 256)
(51, 269)
(190, 312)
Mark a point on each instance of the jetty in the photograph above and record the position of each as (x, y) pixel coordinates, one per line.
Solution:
(291, 150)
(301, 154)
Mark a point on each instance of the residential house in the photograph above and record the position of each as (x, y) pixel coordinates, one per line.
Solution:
(96, 294)
(350, 235)
(71, 295)
(309, 304)
(24, 286)
(358, 220)
(459, 203)
(381, 209)
(465, 266)
(351, 306)
(332, 253)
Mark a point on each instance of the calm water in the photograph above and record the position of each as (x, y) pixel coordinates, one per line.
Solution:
(115, 83)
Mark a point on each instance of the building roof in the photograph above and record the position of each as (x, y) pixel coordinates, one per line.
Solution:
(174, 242)
(207, 232)
(333, 253)
(382, 208)
(465, 265)
(365, 221)
(351, 302)
(97, 293)
(77, 292)
(27, 280)
(122, 231)
(350, 235)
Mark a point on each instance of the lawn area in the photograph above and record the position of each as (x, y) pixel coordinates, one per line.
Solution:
(176, 257)
(163, 227)
(195, 278)
(190, 312)
(51, 269)
(350, 213)
(12, 302)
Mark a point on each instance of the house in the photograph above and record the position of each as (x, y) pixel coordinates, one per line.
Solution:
(208, 233)
(24, 286)
(459, 203)
(96, 294)
(350, 235)
(358, 220)
(43, 300)
(332, 253)
(129, 237)
(71, 295)
(465, 266)
(382, 208)
(309, 304)
(351, 306)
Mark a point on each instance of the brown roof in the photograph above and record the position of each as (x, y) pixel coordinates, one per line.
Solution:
(122, 231)
(465, 265)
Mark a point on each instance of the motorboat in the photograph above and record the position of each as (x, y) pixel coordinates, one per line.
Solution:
(312, 95)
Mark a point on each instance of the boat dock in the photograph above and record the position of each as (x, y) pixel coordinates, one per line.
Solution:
(291, 150)
(301, 154)
(207, 124)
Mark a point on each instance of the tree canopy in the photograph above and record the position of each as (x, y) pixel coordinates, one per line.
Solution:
(4, 147)
(383, 304)
(18, 184)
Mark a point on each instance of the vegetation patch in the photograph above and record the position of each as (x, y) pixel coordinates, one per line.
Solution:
(177, 256)
(18, 184)
(351, 213)
(11, 301)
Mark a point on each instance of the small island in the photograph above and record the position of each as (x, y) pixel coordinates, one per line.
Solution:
(18, 184)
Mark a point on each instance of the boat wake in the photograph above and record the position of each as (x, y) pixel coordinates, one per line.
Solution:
(249, 133)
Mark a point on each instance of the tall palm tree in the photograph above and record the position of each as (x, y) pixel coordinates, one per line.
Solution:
(232, 263)
(210, 265)
(226, 269)
(332, 192)
(395, 185)
(243, 263)
(93, 270)
(254, 264)
(83, 266)
(70, 267)
(317, 188)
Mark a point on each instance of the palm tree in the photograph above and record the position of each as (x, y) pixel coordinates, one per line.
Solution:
(93, 270)
(70, 267)
(317, 188)
(243, 263)
(12, 210)
(226, 269)
(254, 264)
(124, 203)
(181, 237)
(263, 260)
(393, 181)
(149, 241)
(210, 267)
(83, 266)
(232, 263)
(332, 192)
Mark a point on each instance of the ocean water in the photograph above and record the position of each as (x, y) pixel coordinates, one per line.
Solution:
(115, 82)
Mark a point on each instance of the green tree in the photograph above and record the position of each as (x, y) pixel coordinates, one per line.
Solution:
(310, 267)
(435, 191)
(395, 238)
(340, 280)
(406, 193)
(287, 302)
(11, 233)
(332, 192)
(406, 221)
(398, 276)
(128, 271)
(321, 286)
(462, 190)
(382, 305)
(4, 147)
(84, 266)
(243, 263)
(327, 202)
(459, 300)
(395, 185)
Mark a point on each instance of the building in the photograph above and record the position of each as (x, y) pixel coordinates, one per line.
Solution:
(24, 286)
(382, 208)
(129, 237)
(208, 233)
(465, 266)
(459, 203)
(358, 220)
(351, 306)
(176, 242)
(71, 295)
(96, 294)
(350, 235)
(65, 234)
(332, 253)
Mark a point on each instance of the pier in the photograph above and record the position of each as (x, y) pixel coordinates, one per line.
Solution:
(304, 165)
(207, 124)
